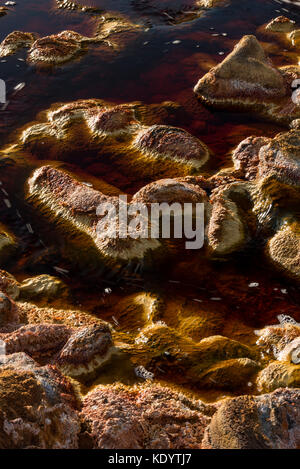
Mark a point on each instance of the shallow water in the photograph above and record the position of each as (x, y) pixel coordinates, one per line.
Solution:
(152, 69)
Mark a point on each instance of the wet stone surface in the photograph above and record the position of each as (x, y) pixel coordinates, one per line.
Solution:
(108, 342)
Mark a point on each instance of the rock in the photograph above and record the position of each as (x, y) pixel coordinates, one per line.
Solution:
(295, 124)
(278, 375)
(9, 285)
(116, 120)
(229, 374)
(117, 31)
(135, 311)
(37, 339)
(291, 352)
(113, 33)
(280, 158)
(272, 164)
(178, 190)
(43, 287)
(282, 340)
(273, 167)
(157, 343)
(144, 417)
(247, 80)
(281, 24)
(158, 347)
(227, 230)
(208, 3)
(118, 133)
(270, 421)
(193, 319)
(56, 49)
(70, 5)
(14, 41)
(67, 315)
(160, 141)
(294, 37)
(87, 350)
(246, 156)
(283, 249)
(37, 406)
(222, 363)
(75, 207)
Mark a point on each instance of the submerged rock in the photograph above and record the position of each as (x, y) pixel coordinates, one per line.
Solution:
(43, 287)
(71, 5)
(16, 40)
(229, 374)
(56, 49)
(117, 31)
(113, 33)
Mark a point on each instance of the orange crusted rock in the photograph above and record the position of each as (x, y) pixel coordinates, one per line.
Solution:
(36, 406)
(146, 417)
(270, 421)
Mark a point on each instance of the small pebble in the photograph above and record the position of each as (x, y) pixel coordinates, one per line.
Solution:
(19, 87)
(7, 203)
